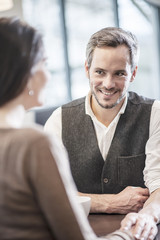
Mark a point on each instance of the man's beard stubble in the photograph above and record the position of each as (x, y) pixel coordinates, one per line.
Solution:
(108, 106)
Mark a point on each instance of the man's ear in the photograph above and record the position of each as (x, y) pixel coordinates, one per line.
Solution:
(134, 74)
(87, 69)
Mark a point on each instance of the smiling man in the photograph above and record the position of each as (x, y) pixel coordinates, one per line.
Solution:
(112, 135)
(110, 75)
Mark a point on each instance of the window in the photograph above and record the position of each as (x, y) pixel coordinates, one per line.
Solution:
(82, 18)
(67, 26)
(49, 23)
(140, 19)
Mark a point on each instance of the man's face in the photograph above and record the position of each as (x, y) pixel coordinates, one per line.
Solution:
(110, 75)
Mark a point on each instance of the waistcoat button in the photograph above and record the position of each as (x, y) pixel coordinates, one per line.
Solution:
(105, 180)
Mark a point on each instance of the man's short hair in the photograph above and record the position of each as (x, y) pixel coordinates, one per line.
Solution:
(113, 37)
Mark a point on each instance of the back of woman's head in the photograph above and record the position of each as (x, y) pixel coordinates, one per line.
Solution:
(21, 48)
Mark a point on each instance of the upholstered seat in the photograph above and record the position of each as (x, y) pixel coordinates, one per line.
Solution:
(42, 114)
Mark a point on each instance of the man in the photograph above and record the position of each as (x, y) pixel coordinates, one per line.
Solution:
(107, 132)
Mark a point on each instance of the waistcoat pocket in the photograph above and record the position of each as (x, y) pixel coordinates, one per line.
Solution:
(130, 170)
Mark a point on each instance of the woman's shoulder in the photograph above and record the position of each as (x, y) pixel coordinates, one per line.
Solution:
(36, 133)
(30, 134)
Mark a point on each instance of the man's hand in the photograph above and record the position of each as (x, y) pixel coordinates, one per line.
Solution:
(131, 199)
(142, 226)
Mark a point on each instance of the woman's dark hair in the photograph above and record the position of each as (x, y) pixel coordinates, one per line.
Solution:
(21, 48)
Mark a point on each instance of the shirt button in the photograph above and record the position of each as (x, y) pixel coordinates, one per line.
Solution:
(105, 180)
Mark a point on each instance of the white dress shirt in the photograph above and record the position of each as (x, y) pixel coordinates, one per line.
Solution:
(105, 135)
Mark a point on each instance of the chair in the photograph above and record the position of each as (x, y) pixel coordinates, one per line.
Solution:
(42, 114)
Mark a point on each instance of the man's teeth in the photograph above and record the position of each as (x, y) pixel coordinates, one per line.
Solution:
(108, 94)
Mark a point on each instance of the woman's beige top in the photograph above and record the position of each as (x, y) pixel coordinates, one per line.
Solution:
(37, 193)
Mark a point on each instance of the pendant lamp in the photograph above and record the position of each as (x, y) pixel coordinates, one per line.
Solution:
(6, 5)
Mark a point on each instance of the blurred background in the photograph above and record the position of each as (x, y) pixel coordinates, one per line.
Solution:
(67, 26)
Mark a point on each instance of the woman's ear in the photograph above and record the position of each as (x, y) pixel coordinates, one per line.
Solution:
(134, 74)
(29, 87)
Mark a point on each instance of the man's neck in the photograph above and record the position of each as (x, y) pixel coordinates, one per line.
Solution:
(105, 116)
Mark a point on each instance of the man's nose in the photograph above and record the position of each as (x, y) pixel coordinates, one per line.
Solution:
(108, 82)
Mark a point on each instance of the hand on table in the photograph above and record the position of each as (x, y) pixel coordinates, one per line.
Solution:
(142, 226)
(132, 199)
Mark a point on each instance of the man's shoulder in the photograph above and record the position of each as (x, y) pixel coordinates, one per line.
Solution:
(136, 99)
(74, 103)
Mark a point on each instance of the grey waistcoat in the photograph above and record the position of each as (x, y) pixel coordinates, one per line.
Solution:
(126, 157)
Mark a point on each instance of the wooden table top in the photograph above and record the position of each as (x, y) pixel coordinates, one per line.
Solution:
(104, 224)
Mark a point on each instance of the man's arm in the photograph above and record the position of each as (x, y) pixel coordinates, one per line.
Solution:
(147, 218)
(131, 199)
(152, 206)
(53, 125)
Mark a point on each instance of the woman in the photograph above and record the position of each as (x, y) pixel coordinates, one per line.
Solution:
(37, 193)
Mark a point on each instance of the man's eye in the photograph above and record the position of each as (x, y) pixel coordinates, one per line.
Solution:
(120, 74)
(100, 72)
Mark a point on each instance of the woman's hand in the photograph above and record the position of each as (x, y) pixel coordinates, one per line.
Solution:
(142, 226)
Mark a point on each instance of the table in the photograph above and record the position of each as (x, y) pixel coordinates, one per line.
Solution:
(104, 224)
